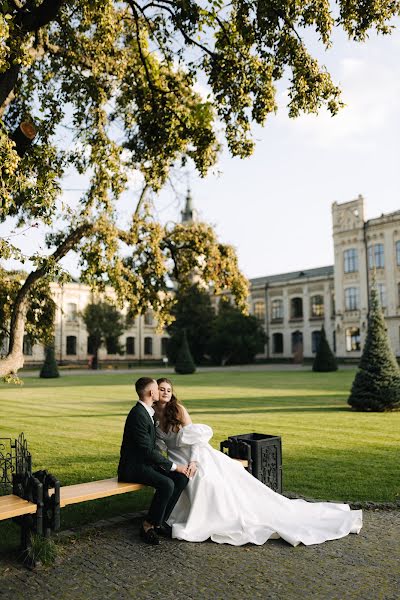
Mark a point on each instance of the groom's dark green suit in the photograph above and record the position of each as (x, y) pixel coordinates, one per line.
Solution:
(141, 462)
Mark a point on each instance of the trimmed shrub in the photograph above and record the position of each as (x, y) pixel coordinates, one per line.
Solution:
(184, 360)
(324, 360)
(376, 386)
(49, 368)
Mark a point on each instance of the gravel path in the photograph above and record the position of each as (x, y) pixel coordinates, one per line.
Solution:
(108, 561)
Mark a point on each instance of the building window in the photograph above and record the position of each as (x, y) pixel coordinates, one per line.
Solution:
(381, 294)
(398, 253)
(4, 346)
(148, 345)
(296, 308)
(353, 341)
(297, 341)
(317, 306)
(352, 298)
(376, 257)
(130, 345)
(315, 340)
(350, 260)
(277, 343)
(90, 344)
(277, 310)
(27, 346)
(112, 345)
(164, 346)
(334, 342)
(259, 311)
(398, 294)
(148, 318)
(72, 311)
(71, 345)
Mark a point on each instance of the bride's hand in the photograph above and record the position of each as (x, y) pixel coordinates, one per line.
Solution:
(192, 468)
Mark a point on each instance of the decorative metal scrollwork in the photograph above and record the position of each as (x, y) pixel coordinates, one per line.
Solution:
(15, 459)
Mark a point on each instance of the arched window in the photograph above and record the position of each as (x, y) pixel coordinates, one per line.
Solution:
(130, 345)
(315, 340)
(72, 311)
(164, 346)
(277, 343)
(27, 346)
(398, 253)
(71, 345)
(259, 311)
(296, 308)
(353, 341)
(297, 341)
(148, 346)
(352, 298)
(148, 317)
(277, 310)
(350, 260)
(317, 306)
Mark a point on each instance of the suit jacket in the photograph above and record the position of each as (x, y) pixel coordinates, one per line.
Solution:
(138, 448)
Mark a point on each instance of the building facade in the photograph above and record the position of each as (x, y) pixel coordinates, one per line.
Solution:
(292, 306)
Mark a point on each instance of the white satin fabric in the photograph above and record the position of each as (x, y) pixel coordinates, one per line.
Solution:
(227, 504)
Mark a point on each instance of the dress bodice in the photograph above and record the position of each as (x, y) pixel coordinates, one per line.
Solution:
(183, 445)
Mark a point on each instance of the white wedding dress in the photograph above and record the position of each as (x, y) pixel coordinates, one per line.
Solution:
(227, 504)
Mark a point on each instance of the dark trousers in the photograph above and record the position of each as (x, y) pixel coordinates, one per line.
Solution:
(168, 486)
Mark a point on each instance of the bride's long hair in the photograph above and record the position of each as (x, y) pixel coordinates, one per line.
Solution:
(173, 412)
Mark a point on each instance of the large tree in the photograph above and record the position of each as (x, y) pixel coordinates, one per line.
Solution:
(105, 88)
(193, 313)
(236, 338)
(105, 324)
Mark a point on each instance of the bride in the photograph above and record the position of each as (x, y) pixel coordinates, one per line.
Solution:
(224, 502)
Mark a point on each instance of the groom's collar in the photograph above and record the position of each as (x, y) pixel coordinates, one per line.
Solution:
(149, 409)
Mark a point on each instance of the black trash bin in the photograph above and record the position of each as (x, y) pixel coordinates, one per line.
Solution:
(264, 453)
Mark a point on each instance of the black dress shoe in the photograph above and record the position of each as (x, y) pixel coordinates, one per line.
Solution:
(165, 530)
(149, 536)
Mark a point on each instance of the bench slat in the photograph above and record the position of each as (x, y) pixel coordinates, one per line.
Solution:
(81, 492)
(14, 506)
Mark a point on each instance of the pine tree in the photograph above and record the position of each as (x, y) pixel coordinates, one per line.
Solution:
(376, 386)
(324, 360)
(184, 361)
(49, 368)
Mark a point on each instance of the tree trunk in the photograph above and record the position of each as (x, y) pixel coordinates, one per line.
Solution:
(15, 358)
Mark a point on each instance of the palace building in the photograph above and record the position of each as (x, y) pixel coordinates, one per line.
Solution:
(292, 306)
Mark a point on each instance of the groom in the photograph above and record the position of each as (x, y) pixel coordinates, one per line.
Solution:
(141, 462)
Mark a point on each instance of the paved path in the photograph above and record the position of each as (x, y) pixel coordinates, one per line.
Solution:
(111, 563)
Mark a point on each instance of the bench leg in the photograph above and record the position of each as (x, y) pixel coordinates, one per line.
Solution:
(30, 488)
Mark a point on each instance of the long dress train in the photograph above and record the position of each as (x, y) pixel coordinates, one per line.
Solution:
(227, 504)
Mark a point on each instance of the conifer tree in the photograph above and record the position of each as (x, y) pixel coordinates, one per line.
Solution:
(324, 360)
(49, 368)
(184, 362)
(376, 386)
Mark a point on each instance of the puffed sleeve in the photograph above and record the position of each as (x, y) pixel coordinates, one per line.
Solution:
(194, 435)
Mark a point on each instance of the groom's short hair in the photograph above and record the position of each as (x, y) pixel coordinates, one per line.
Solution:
(141, 385)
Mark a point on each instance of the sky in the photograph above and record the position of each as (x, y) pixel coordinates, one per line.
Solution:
(275, 207)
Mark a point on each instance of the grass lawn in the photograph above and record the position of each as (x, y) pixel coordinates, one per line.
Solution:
(74, 427)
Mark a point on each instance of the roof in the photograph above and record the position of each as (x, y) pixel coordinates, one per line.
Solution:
(285, 277)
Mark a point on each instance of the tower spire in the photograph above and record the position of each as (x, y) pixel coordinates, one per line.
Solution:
(188, 212)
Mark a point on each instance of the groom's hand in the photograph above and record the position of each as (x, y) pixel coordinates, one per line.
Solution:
(182, 469)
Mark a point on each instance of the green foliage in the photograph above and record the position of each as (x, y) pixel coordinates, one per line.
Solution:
(40, 312)
(40, 551)
(49, 369)
(104, 324)
(110, 88)
(324, 360)
(193, 313)
(236, 338)
(184, 364)
(376, 386)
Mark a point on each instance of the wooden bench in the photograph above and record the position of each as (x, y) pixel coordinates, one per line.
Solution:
(13, 506)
